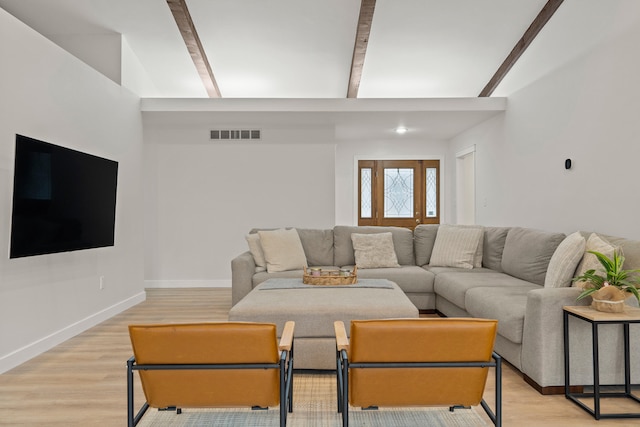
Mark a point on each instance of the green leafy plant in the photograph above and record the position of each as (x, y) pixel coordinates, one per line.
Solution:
(625, 280)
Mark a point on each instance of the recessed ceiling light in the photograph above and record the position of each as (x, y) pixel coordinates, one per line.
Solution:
(401, 130)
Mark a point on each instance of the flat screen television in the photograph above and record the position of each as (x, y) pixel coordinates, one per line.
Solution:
(63, 200)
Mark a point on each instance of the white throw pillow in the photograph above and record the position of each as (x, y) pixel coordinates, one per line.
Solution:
(477, 258)
(456, 246)
(374, 250)
(283, 250)
(255, 247)
(564, 261)
(589, 261)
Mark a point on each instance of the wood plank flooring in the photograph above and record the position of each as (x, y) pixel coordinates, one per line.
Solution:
(82, 382)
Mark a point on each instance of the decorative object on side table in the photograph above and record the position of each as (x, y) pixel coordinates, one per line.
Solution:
(609, 290)
(330, 277)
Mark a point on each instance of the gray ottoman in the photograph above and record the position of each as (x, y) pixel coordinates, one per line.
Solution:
(314, 308)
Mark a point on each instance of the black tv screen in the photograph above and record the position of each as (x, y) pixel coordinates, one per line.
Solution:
(63, 200)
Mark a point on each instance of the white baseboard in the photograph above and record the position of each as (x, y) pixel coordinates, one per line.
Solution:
(38, 347)
(187, 283)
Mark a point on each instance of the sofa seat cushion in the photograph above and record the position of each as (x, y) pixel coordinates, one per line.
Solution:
(410, 278)
(506, 304)
(454, 286)
(439, 270)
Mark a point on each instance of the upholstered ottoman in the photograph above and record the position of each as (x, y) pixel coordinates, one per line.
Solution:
(314, 308)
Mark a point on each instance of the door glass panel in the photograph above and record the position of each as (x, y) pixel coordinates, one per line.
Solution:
(365, 193)
(432, 192)
(398, 193)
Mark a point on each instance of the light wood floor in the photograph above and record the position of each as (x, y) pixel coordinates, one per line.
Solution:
(82, 382)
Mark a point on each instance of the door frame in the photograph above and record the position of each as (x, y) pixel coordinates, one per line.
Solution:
(356, 178)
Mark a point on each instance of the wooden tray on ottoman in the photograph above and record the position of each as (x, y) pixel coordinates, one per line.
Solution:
(330, 278)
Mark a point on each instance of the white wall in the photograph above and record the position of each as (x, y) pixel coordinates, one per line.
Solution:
(50, 95)
(587, 111)
(349, 151)
(203, 196)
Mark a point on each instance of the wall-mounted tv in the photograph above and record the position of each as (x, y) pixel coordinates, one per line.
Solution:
(63, 200)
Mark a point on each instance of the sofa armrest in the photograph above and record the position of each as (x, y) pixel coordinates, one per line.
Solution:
(243, 267)
(542, 340)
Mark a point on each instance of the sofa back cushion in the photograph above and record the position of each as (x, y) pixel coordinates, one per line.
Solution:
(424, 237)
(527, 253)
(318, 245)
(494, 239)
(343, 247)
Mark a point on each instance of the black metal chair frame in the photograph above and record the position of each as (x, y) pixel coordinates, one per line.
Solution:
(285, 366)
(343, 365)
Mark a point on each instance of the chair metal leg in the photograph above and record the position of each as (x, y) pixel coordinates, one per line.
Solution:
(345, 389)
(130, 392)
(132, 419)
(283, 391)
(496, 417)
(290, 379)
(498, 391)
(338, 381)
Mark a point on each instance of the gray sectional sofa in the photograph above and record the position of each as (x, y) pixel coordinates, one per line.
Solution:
(507, 284)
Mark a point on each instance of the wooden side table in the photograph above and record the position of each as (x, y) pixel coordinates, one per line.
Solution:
(596, 318)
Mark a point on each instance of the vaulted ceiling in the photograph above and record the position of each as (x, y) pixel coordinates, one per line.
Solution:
(420, 64)
(320, 49)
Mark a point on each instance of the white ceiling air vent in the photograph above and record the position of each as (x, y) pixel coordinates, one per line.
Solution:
(235, 134)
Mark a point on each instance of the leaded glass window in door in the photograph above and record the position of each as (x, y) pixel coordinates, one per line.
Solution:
(366, 183)
(431, 187)
(398, 192)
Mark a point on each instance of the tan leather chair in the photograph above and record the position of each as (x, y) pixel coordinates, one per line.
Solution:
(224, 364)
(416, 362)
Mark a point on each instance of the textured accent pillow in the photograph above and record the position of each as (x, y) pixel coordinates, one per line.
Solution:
(564, 261)
(456, 246)
(283, 250)
(374, 250)
(256, 250)
(589, 261)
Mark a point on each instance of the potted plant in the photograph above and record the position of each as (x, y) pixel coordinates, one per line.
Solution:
(610, 290)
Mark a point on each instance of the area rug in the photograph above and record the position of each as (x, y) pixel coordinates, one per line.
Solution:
(314, 405)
